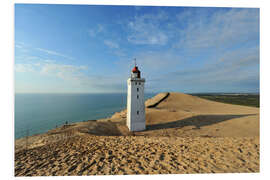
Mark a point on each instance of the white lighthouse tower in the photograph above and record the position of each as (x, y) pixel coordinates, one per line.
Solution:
(135, 101)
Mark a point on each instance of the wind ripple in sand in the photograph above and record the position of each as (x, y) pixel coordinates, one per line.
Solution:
(94, 155)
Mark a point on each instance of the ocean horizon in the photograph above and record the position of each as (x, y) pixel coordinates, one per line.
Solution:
(36, 113)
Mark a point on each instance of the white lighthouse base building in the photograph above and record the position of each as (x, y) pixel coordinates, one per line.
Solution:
(135, 102)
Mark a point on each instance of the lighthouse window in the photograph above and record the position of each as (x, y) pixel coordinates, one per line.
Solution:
(137, 96)
(138, 112)
(135, 83)
(137, 89)
(139, 83)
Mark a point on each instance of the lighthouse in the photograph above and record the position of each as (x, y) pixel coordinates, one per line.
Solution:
(135, 101)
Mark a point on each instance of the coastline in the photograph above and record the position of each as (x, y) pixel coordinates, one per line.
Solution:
(210, 137)
(44, 112)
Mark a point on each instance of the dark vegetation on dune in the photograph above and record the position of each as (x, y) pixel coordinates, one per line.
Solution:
(252, 100)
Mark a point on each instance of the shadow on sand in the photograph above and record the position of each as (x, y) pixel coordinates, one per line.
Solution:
(157, 103)
(101, 129)
(197, 121)
(111, 128)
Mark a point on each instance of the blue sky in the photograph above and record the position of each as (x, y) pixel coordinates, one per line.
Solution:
(90, 49)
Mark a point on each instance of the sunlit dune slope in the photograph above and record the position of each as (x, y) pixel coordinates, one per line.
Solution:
(185, 115)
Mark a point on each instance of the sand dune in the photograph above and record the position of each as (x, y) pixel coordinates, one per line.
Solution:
(185, 134)
(188, 116)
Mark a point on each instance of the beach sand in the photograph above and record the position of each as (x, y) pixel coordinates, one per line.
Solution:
(185, 134)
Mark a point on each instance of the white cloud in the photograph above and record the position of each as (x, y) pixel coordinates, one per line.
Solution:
(238, 68)
(24, 57)
(18, 46)
(24, 68)
(146, 29)
(53, 53)
(111, 44)
(22, 47)
(158, 61)
(221, 29)
(239, 59)
(75, 76)
(98, 29)
(63, 71)
(151, 63)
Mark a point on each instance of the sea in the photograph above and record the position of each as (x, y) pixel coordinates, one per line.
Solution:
(38, 113)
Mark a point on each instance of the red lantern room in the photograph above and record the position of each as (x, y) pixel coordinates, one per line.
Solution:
(135, 72)
(135, 69)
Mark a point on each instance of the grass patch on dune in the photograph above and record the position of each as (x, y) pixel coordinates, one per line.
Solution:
(252, 100)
